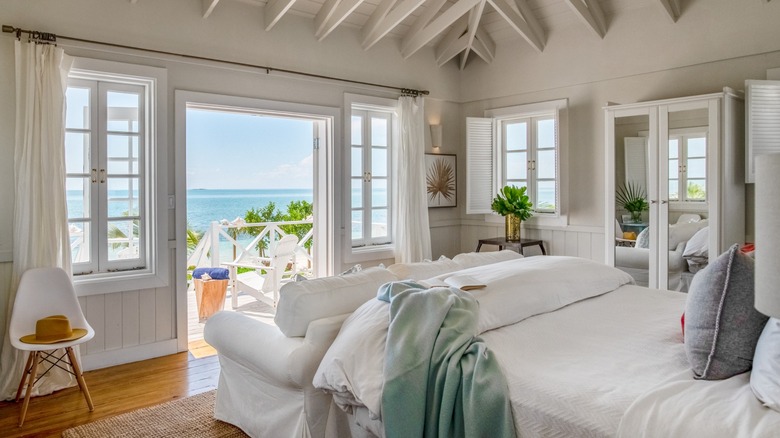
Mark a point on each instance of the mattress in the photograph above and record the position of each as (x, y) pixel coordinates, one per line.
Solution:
(575, 371)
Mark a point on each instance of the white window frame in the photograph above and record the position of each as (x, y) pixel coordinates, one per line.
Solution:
(483, 174)
(682, 135)
(366, 249)
(153, 270)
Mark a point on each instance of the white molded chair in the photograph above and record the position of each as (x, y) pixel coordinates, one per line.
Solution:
(44, 292)
(257, 284)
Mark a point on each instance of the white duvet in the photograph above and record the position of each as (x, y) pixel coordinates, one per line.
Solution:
(516, 290)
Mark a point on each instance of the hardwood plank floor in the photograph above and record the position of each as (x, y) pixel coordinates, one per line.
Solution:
(114, 390)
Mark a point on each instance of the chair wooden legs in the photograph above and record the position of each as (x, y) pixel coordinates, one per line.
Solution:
(30, 372)
(31, 380)
(80, 378)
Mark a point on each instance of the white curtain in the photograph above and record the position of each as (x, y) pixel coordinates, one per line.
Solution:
(412, 230)
(40, 211)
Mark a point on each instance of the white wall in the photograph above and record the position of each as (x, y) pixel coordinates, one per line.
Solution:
(136, 324)
(644, 56)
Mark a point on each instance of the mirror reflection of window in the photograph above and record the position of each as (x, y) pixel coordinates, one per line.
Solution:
(688, 156)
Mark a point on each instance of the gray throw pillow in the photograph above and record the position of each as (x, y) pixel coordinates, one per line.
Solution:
(643, 239)
(721, 325)
(765, 379)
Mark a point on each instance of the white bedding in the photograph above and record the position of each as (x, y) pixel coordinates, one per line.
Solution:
(516, 290)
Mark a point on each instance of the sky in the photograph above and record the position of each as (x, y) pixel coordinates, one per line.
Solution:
(245, 151)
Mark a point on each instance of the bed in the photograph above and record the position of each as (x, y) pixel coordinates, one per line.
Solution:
(574, 368)
(584, 352)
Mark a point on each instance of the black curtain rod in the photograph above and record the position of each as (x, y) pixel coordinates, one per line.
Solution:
(52, 38)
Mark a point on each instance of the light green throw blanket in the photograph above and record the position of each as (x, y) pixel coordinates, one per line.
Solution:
(440, 379)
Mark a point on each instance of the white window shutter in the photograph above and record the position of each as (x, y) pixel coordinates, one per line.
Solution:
(480, 165)
(763, 121)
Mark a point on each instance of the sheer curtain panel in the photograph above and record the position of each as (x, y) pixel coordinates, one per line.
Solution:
(40, 211)
(412, 230)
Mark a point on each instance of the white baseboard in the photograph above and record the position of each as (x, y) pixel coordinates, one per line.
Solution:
(127, 355)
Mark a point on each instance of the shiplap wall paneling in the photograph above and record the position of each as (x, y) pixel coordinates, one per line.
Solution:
(131, 312)
(147, 316)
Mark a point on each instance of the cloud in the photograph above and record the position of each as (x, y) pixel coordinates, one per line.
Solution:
(292, 176)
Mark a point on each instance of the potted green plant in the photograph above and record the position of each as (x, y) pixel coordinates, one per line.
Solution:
(632, 198)
(512, 203)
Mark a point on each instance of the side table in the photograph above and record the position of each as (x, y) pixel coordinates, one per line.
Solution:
(519, 245)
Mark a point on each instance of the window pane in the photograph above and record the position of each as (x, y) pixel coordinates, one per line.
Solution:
(517, 136)
(122, 197)
(674, 148)
(697, 147)
(77, 152)
(357, 193)
(79, 241)
(77, 196)
(379, 193)
(122, 111)
(123, 239)
(674, 168)
(357, 130)
(379, 161)
(123, 154)
(357, 224)
(674, 193)
(77, 110)
(545, 195)
(545, 164)
(378, 223)
(545, 133)
(516, 165)
(697, 189)
(697, 168)
(378, 131)
(357, 162)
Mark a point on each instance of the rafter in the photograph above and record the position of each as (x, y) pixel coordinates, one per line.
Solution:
(672, 8)
(274, 10)
(474, 15)
(482, 48)
(326, 11)
(590, 12)
(413, 42)
(342, 11)
(208, 7)
(519, 23)
(371, 25)
(453, 42)
(371, 35)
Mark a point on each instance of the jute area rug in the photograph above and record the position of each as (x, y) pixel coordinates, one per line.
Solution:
(187, 417)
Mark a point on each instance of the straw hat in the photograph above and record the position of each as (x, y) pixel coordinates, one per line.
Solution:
(53, 329)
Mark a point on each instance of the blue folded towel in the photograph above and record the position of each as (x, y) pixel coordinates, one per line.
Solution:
(214, 273)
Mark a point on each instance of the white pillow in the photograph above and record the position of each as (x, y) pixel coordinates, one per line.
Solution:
(697, 247)
(679, 233)
(765, 379)
(643, 239)
(423, 270)
(472, 259)
(303, 302)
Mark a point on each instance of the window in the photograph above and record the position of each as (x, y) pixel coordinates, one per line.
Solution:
(371, 140)
(115, 221)
(688, 154)
(519, 146)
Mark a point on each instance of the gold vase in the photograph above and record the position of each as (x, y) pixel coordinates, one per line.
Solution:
(512, 228)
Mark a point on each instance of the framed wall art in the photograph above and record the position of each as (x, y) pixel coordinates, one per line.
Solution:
(441, 180)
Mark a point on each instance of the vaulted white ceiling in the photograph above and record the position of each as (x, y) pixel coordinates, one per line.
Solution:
(457, 29)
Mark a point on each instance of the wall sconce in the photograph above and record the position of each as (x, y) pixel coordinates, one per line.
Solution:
(436, 137)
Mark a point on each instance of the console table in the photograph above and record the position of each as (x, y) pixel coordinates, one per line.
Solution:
(519, 245)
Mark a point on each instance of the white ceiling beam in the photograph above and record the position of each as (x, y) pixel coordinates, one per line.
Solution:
(485, 43)
(274, 10)
(474, 15)
(413, 42)
(326, 11)
(453, 42)
(341, 12)
(528, 15)
(480, 48)
(426, 16)
(391, 20)
(208, 7)
(672, 8)
(379, 14)
(518, 23)
(590, 12)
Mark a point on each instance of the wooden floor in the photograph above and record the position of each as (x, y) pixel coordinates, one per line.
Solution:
(114, 390)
